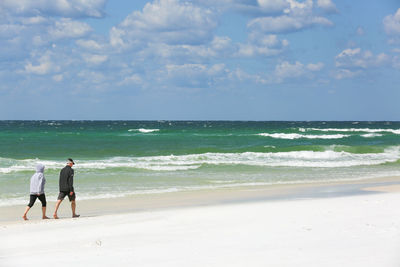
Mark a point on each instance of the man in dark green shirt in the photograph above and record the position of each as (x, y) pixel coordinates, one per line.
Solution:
(66, 184)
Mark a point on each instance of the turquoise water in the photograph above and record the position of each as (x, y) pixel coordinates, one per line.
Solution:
(119, 158)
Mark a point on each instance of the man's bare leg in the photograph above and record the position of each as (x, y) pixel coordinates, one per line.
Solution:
(44, 213)
(73, 207)
(26, 212)
(57, 205)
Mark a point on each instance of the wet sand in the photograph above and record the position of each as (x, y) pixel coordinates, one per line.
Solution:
(149, 202)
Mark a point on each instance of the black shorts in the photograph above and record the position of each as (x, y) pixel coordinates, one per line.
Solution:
(33, 198)
(62, 195)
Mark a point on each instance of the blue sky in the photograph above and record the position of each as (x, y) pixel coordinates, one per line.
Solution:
(200, 60)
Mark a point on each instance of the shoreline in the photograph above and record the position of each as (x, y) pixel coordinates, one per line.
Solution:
(188, 199)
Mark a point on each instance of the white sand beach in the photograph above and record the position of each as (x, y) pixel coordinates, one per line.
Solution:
(356, 230)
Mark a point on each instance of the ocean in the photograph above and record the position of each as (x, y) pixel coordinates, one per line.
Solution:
(123, 158)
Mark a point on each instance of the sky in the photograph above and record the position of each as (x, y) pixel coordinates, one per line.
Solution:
(200, 60)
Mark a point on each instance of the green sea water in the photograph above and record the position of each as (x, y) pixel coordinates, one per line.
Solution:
(119, 158)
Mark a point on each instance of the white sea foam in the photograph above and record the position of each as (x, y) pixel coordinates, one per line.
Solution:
(13, 201)
(54, 124)
(292, 136)
(324, 159)
(371, 135)
(367, 130)
(13, 165)
(141, 130)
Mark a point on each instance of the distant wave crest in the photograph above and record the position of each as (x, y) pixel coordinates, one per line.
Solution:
(367, 130)
(371, 135)
(323, 159)
(292, 136)
(141, 130)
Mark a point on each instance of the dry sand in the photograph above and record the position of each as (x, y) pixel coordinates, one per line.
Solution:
(295, 226)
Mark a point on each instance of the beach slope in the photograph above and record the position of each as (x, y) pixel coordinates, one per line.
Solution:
(358, 230)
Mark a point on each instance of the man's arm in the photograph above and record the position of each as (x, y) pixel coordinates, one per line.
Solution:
(71, 182)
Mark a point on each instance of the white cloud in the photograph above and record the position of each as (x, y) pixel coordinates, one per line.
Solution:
(194, 75)
(166, 21)
(327, 5)
(260, 44)
(219, 47)
(169, 43)
(297, 16)
(41, 69)
(299, 6)
(44, 65)
(134, 79)
(34, 20)
(116, 36)
(220, 43)
(357, 58)
(286, 70)
(284, 24)
(19, 34)
(344, 74)
(67, 28)
(354, 62)
(252, 7)
(58, 77)
(272, 5)
(261, 7)
(89, 44)
(349, 52)
(63, 8)
(185, 69)
(95, 59)
(391, 23)
(217, 69)
(38, 40)
(92, 76)
(242, 76)
(315, 67)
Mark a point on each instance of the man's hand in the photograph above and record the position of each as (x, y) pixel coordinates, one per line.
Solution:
(71, 193)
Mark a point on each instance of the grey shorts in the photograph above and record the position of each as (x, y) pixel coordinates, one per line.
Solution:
(62, 195)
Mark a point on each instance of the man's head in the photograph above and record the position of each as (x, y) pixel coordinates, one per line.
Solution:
(70, 162)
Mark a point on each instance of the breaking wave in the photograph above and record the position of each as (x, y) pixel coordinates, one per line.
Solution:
(292, 136)
(371, 135)
(323, 159)
(367, 130)
(141, 130)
